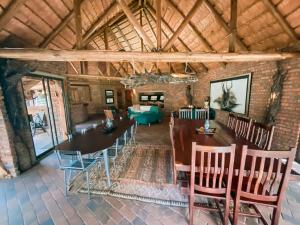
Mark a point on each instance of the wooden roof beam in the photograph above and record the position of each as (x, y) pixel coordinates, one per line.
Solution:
(280, 19)
(57, 30)
(192, 25)
(158, 24)
(135, 23)
(233, 22)
(119, 16)
(184, 23)
(108, 12)
(107, 65)
(10, 12)
(170, 29)
(116, 56)
(222, 22)
(88, 76)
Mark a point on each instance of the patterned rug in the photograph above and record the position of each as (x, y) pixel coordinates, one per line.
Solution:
(143, 172)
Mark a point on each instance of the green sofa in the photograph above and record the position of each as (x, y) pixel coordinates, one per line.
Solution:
(154, 115)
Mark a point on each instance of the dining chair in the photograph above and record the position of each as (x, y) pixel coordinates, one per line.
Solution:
(131, 132)
(242, 127)
(263, 180)
(211, 176)
(231, 122)
(201, 114)
(171, 125)
(185, 114)
(70, 161)
(261, 135)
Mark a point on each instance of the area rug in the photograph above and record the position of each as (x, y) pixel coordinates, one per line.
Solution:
(143, 172)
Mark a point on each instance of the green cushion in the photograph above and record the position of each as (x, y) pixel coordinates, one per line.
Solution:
(154, 109)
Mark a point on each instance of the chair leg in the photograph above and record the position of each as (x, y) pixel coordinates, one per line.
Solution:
(191, 213)
(236, 212)
(226, 212)
(88, 183)
(66, 182)
(276, 215)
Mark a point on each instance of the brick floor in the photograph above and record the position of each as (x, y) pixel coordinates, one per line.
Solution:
(37, 197)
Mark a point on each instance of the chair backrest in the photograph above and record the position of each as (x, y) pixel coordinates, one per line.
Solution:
(212, 167)
(70, 159)
(261, 135)
(263, 176)
(201, 114)
(108, 114)
(185, 113)
(242, 127)
(231, 122)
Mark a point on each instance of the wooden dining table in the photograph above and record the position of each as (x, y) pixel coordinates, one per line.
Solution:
(95, 140)
(185, 133)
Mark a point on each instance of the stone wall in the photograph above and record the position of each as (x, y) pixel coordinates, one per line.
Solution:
(8, 157)
(17, 152)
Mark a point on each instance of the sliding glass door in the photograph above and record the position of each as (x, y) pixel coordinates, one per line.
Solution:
(46, 111)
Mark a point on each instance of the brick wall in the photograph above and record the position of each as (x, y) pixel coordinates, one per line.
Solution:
(288, 120)
(97, 91)
(175, 95)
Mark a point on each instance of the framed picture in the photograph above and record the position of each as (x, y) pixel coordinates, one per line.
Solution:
(109, 100)
(144, 98)
(231, 94)
(109, 93)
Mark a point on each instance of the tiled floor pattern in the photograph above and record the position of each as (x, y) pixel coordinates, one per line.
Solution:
(36, 197)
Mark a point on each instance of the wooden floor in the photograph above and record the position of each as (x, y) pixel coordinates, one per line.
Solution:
(36, 197)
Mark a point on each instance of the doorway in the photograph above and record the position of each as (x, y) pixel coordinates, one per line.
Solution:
(44, 99)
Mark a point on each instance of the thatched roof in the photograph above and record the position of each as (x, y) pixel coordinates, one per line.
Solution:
(262, 25)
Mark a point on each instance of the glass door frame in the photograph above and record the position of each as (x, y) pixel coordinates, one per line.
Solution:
(45, 79)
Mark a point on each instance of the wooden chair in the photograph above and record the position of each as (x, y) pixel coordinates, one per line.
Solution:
(242, 127)
(211, 176)
(185, 114)
(262, 181)
(261, 135)
(231, 122)
(108, 114)
(171, 125)
(201, 114)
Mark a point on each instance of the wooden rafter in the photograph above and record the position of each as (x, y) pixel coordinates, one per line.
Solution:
(158, 24)
(88, 76)
(233, 22)
(78, 23)
(107, 13)
(10, 12)
(170, 29)
(184, 23)
(280, 19)
(135, 23)
(115, 56)
(191, 24)
(73, 67)
(106, 48)
(57, 30)
(111, 22)
(225, 26)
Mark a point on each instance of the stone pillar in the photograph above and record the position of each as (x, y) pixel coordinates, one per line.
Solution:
(8, 158)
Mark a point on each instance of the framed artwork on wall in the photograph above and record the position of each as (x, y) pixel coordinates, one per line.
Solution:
(109, 100)
(109, 93)
(231, 94)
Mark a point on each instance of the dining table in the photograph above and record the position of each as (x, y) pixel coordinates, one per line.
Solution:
(97, 139)
(184, 134)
